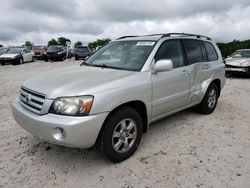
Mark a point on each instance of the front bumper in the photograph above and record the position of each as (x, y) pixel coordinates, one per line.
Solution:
(230, 68)
(38, 55)
(80, 132)
(9, 60)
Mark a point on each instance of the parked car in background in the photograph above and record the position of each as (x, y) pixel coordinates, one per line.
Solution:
(17, 55)
(82, 52)
(239, 62)
(71, 53)
(3, 50)
(39, 51)
(55, 52)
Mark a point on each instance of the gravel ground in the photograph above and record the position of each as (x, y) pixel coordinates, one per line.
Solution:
(184, 150)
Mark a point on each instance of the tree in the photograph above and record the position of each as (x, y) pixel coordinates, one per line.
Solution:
(63, 41)
(77, 44)
(228, 48)
(28, 44)
(53, 42)
(98, 43)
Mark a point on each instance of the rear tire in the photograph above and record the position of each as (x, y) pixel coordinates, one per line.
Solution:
(121, 135)
(209, 102)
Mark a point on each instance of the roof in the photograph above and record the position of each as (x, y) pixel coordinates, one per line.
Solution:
(156, 37)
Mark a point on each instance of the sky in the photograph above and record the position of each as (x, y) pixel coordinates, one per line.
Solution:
(87, 20)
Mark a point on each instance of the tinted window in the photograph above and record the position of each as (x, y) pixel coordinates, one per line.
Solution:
(171, 49)
(193, 51)
(51, 48)
(84, 49)
(26, 51)
(203, 51)
(211, 53)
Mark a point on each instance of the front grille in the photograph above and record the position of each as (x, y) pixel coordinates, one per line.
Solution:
(232, 66)
(32, 100)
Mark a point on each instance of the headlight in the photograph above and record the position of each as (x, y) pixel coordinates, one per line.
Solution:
(72, 106)
(59, 53)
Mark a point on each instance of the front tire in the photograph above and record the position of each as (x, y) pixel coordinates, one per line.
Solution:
(122, 134)
(209, 102)
(20, 61)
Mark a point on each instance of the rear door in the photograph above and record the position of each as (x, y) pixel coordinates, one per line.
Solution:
(170, 88)
(198, 60)
(25, 55)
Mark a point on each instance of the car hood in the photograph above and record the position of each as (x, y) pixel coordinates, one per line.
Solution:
(240, 62)
(73, 81)
(8, 55)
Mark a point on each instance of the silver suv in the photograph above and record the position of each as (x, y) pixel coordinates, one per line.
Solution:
(110, 100)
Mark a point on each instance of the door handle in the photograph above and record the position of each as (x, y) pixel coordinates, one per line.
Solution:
(205, 66)
(184, 72)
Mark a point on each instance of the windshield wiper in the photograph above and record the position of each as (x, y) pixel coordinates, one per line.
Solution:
(84, 63)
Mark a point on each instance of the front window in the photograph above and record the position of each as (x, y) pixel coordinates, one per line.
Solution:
(241, 54)
(124, 55)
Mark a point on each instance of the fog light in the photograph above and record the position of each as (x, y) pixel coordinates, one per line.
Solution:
(59, 134)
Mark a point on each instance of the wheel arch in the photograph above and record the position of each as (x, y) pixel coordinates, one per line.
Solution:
(138, 105)
(217, 82)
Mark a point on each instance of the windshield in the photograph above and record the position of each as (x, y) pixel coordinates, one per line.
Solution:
(125, 55)
(241, 54)
(3, 49)
(14, 51)
(38, 48)
(54, 48)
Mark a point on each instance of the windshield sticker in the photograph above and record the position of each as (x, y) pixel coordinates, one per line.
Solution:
(145, 43)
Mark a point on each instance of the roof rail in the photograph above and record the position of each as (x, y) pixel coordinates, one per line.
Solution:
(123, 37)
(168, 35)
(185, 34)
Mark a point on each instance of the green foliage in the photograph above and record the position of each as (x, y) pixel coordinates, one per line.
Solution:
(98, 43)
(62, 41)
(28, 44)
(59, 41)
(228, 48)
(53, 42)
(77, 44)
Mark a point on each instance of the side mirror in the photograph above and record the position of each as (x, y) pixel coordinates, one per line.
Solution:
(163, 65)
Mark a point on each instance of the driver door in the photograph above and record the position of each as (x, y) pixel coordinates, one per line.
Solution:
(170, 88)
(25, 55)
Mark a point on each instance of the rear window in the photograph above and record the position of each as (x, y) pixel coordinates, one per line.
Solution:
(211, 53)
(54, 48)
(193, 51)
(84, 49)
